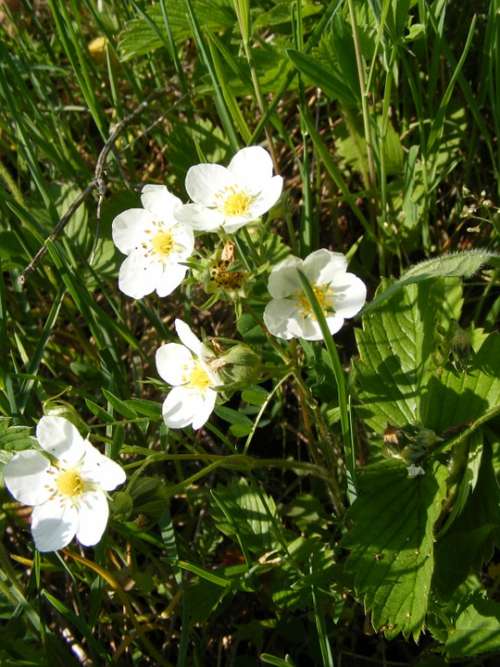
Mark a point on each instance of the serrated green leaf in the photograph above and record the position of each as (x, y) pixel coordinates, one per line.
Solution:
(147, 32)
(457, 398)
(477, 630)
(478, 527)
(391, 543)
(460, 264)
(239, 510)
(397, 347)
(292, 588)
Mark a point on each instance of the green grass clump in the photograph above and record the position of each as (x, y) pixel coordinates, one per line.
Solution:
(286, 531)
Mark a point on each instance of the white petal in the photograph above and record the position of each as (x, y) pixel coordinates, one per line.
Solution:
(93, 513)
(349, 294)
(284, 279)
(268, 197)
(174, 363)
(310, 329)
(128, 228)
(204, 181)
(233, 223)
(322, 266)
(27, 477)
(188, 338)
(53, 524)
(60, 438)
(139, 275)
(335, 322)
(170, 278)
(281, 318)
(184, 241)
(101, 469)
(160, 202)
(200, 217)
(207, 404)
(181, 407)
(252, 167)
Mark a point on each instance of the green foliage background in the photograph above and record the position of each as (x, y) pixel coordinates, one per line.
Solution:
(287, 531)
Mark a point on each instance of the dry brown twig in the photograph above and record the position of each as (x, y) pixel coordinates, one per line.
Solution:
(98, 182)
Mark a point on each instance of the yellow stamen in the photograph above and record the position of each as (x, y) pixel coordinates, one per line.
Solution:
(237, 203)
(163, 243)
(324, 295)
(69, 483)
(199, 378)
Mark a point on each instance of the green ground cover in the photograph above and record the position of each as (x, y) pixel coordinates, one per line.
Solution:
(340, 506)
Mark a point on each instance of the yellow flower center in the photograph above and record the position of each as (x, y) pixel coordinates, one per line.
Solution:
(324, 295)
(163, 243)
(199, 378)
(237, 203)
(69, 483)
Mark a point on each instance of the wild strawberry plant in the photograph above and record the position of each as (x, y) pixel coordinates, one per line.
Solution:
(249, 366)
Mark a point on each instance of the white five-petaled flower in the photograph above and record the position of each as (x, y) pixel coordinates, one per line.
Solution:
(67, 490)
(156, 244)
(231, 197)
(340, 295)
(187, 368)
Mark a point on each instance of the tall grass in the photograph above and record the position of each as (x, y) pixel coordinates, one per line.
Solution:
(383, 118)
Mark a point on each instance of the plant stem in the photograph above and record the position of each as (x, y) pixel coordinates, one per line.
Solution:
(307, 404)
(349, 451)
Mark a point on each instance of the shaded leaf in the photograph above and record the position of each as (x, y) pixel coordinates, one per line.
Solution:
(397, 348)
(477, 630)
(391, 543)
(240, 511)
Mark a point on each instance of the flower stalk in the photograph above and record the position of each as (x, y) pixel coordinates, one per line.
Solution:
(349, 451)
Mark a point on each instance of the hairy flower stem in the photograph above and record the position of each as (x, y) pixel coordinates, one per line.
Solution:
(349, 450)
(312, 415)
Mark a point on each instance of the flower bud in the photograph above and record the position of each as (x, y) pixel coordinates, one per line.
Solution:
(240, 364)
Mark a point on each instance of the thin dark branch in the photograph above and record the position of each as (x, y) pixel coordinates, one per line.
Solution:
(75, 205)
(97, 182)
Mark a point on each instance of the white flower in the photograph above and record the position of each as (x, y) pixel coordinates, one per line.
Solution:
(340, 294)
(231, 197)
(188, 369)
(155, 242)
(67, 490)
(415, 471)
